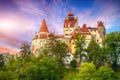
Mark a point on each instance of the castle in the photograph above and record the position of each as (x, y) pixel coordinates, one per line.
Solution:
(71, 27)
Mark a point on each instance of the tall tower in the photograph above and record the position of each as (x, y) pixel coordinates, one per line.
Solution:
(40, 38)
(43, 31)
(70, 24)
(101, 29)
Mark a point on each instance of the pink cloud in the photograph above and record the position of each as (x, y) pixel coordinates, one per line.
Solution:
(29, 7)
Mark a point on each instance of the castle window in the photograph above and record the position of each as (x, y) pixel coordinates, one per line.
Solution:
(97, 40)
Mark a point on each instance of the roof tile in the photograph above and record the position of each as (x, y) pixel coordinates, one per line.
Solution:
(43, 27)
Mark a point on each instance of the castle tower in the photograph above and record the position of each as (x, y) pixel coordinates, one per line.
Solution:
(40, 39)
(70, 24)
(101, 29)
(43, 31)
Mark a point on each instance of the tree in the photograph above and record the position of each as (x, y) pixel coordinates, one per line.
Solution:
(112, 43)
(93, 50)
(1, 60)
(79, 45)
(101, 57)
(106, 73)
(10, 70)
(87, 71)
(73, 63)
(43, 69)
(25, 49)
(57, 49)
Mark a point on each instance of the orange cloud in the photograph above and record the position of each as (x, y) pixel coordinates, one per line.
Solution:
(7, 50)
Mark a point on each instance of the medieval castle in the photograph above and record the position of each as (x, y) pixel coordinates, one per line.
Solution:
(71, 27)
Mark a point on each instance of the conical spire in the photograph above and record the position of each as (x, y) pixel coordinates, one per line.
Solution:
(70, 13)
(43, 27)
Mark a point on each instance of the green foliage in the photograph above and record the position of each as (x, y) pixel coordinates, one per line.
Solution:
(106, 73)
(93, 50)
(87, 71)
(56, 49)
(112, 43)
(71, 74)
(48, 70)
(79, 45)
(25, 49)
(31, 69)
(98, 55)
(2, 60)
(73, 63)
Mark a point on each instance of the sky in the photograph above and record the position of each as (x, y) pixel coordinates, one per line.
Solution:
(19, 19)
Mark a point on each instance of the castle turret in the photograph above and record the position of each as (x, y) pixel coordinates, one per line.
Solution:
(70, 23)
(43, 28)
(43, 31)
(101, 29)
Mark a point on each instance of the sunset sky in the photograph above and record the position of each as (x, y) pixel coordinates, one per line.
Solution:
(19, 19)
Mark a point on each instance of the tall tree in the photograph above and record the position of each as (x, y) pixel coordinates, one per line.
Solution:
(79, 45)
(2, 61)
(93, 50)
(56, 48)
(87, 71)
(112, 43)
(25, 49)
(106, 73)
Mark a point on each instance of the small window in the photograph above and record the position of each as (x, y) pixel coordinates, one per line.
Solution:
(97, 40)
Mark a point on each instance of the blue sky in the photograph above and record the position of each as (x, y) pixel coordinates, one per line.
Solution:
(19, 19)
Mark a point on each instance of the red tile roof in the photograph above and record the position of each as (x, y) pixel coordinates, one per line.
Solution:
(71, 22)
(70, 13)
(93, 28)
(43, 27)
(100, 23)
(84, 30)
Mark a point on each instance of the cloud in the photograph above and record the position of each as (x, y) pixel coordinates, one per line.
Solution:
(29, 7)
(100, 10)
(21, 30)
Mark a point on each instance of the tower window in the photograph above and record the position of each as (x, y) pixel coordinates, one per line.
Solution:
(97, 40)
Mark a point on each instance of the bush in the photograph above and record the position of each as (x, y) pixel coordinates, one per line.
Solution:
(73, 63)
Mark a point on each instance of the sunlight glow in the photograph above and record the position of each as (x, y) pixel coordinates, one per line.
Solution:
(6, 24)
